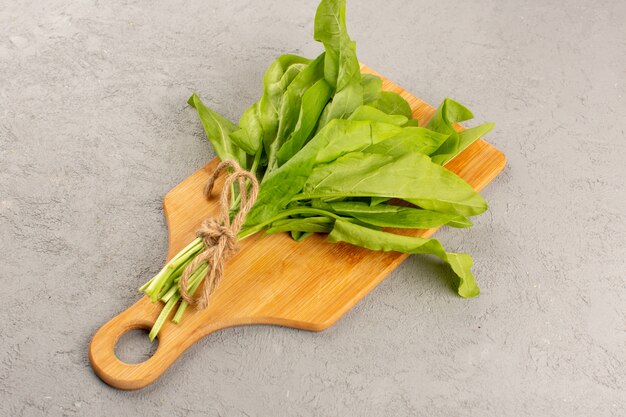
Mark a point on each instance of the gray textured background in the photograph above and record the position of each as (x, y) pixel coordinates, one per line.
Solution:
(94, 130)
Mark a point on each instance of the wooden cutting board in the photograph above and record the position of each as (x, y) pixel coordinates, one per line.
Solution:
(272, 280)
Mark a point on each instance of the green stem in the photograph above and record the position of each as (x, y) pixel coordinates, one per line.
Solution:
(191, 246)
(197, 275)
(183, 304)
(167, 309)
(233, 195)
(255, 164)
(257, 160)
(182, 257)
(146, 285)
(179, 313)
(172, 278)
(283, 214)
(169, 294)
(173, 296)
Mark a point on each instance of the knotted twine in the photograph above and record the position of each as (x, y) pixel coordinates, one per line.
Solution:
(219, 235)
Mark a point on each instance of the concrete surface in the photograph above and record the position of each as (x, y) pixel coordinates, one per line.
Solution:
(94, 130)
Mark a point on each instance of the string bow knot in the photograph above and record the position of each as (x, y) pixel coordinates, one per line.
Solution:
(219, 235)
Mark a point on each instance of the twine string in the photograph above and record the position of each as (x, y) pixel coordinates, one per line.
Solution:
(219, 235)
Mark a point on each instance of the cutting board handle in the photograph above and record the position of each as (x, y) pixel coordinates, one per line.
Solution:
(141, 315)
(102, 349)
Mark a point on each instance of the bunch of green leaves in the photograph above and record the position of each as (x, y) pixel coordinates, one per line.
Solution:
(336, 154)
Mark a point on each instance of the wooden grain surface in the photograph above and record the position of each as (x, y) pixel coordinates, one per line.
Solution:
(273, 279)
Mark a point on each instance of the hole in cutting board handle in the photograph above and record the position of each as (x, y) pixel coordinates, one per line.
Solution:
(134, 346)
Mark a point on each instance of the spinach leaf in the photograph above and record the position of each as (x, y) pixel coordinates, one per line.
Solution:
(373, 114)
(291, 105)
(313, 102)
(410, 139)
(276, 80)
(312, 73)
(412, 123)
(372, 87)
(338, 138)
(469, 136)
(411, 177)
(460, 263)
(259, 123)
(330, 28)
(354, 135)
(385, 215)
(448, 113)
(250, 135)
(392, 103)
(217, 129)
(303, 225)
(341, 66)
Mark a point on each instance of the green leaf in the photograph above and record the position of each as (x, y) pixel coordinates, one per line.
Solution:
(372, 87)
(250, 135)
(460, 263)
(352, 135)
(410, 139)
(343, 103)
(217, 129)
(341, 66)
(259, 124)
(412, 123)
(291, 110)
(469, 136)
(448, 113)
(313, 102)
(338, 138)
(275, 82)
(411, 177)
(392, 103)
(304, 225)
(370, 113)
(385, 215)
